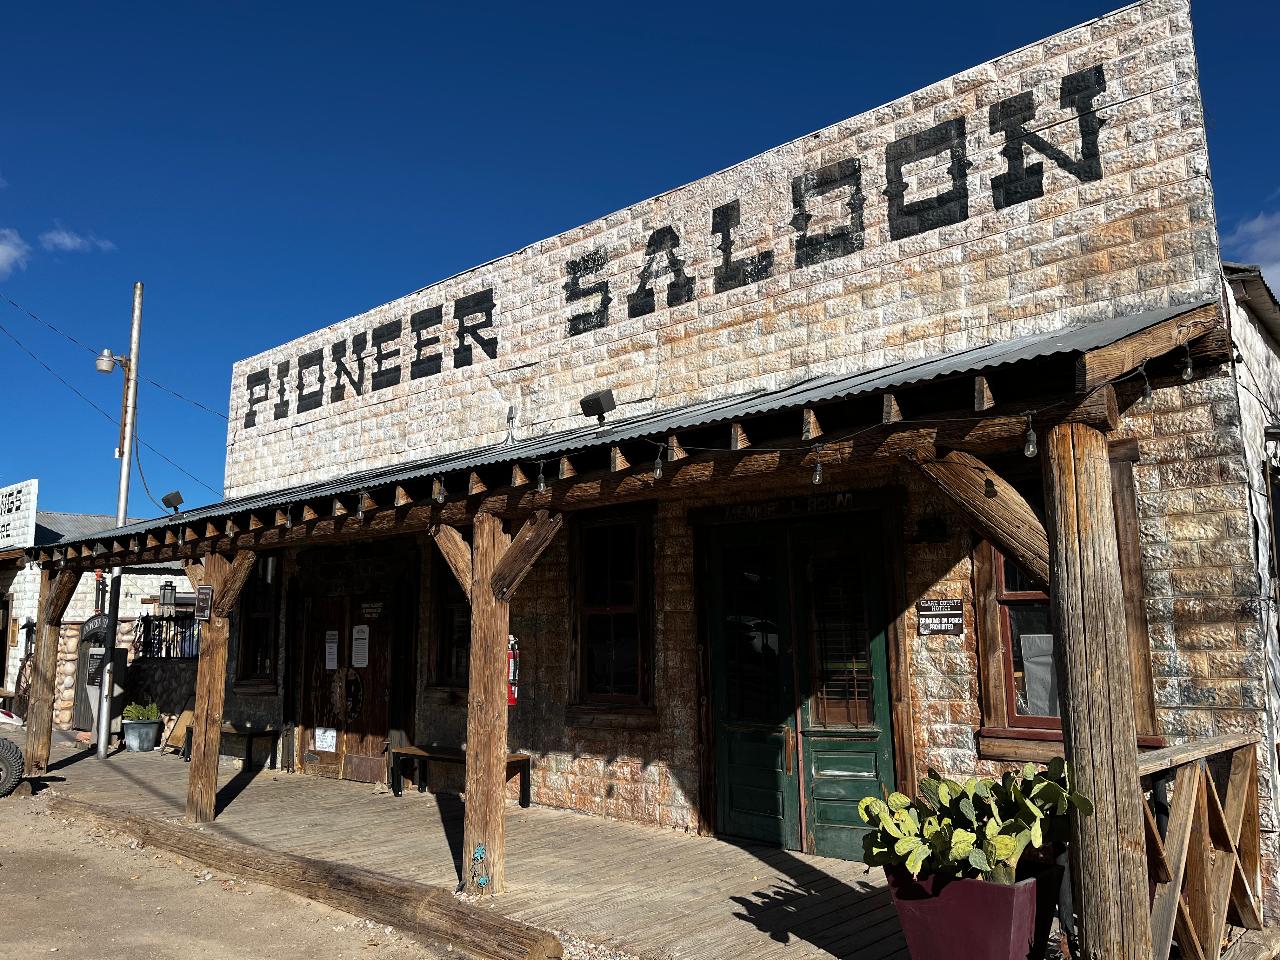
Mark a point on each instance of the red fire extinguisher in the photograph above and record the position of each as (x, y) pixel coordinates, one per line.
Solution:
(513, 670)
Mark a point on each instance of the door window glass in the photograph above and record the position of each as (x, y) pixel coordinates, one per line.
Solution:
(841, 641)
(755, 666)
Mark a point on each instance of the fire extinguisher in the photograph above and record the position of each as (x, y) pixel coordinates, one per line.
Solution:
(513, 670)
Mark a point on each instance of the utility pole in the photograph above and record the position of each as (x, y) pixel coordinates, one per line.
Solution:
(128, 413)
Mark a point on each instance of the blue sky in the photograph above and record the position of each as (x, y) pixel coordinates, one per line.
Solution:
(269, 169)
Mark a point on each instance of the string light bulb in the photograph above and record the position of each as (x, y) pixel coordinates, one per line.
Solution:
(1188, 371)
(657, 463)
(1146, 381)
(1030, 449)
(439, 495)
(541, 483)
(817, 466)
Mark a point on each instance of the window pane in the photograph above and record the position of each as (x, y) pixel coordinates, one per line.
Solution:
(622, 564)
(841, 643)
(752, 639)
(626, 655)
(1017, 580)
(1035, 678)
(595, 567)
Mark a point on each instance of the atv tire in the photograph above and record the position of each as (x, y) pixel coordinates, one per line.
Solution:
(10, 767)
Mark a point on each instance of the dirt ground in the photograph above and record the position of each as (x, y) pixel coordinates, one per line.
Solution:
(81, 894)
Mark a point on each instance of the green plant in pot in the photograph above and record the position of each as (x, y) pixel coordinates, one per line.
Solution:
(141, 727)
(972, 864)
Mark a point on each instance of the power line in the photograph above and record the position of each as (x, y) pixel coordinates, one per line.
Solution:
(70, 386)
(85, 346)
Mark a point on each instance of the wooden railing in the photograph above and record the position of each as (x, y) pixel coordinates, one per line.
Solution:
(1203, 853)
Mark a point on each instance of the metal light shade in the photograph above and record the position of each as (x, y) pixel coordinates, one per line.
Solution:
(105, 362)
(172, 500)
(168, 594)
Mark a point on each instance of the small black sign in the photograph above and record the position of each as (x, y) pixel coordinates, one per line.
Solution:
(939, 616)
(96, 656)
(204, 603)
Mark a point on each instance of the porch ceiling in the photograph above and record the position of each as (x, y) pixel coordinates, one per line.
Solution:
(452, 488)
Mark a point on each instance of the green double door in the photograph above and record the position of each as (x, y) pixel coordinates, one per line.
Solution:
(800, 695)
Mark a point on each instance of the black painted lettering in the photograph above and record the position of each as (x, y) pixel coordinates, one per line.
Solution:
(257, 386)
(338, 354)
(1024, 181)
(310, 399)
(837, 242)
(282, 399)
(384, 374)
(729, 273)
(909, 218)
(663, 243)
(427, 365)
(475, 303)
(592, 262)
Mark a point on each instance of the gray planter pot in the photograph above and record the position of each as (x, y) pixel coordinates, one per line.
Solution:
(141, 735)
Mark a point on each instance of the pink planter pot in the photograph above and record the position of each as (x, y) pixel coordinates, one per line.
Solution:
(943, 918)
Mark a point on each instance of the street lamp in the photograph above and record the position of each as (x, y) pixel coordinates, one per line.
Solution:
(168, 598)
(106, 362)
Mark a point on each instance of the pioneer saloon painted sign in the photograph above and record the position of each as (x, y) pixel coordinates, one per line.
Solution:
(1065, 180)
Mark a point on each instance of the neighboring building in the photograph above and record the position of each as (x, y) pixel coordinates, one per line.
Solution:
(765, 605)
(24, 525)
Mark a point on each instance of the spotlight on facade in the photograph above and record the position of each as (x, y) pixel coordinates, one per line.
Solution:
(598, 404)
(172, 500)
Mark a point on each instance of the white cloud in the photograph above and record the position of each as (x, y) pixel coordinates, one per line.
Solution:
(1257, 240)
(13, 251)
(62, 240)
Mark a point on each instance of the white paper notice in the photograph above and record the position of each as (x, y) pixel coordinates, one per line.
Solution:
(331, 649)
(360, 645)
(326, 739)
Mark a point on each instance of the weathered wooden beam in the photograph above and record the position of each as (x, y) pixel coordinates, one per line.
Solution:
(617, 459)
(256, 522)
(284, 517)
(675, 450)
(1100, 732)
(475, 485)
(484, 827)
(56, 591)
(338, 508)
(402, 497)
(998, 511)
(518, 477)
(1114, 360)
(810, 428)
(738, 439)
(565, 469)
(309, 513)
(527, 545)
(432, 913)
(227, 579)
(456, 553)
(983, 399)
(890, 411)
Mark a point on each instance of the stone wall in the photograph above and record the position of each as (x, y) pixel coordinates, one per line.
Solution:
(984, 206)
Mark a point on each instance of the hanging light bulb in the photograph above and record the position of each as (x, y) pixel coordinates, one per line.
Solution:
(541, 484)
(1030, 449)
(439, 495)
(1146, 382)
(657, 464)
(1188, 371)
(817, 466)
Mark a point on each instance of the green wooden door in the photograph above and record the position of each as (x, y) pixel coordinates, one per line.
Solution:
(754, 710)
(800, 696)
(840, 628)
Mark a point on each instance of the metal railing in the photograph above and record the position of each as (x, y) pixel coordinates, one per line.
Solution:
(175, 636)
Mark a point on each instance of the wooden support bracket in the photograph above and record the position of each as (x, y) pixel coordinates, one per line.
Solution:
(456, 553)
(527, 545)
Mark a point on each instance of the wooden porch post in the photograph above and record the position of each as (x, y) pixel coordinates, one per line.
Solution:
(56, 591)
(490, 574)
(1098, 717)
(483, 823)
(227, 579)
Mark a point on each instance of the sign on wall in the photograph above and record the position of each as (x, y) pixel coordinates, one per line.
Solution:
(18, 514)
(1048, 185)
(939, 616)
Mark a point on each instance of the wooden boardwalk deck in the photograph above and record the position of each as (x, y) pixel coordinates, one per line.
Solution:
(646, 891)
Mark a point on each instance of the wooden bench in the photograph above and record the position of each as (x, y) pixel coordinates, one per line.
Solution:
(397, 753)
(239, 730)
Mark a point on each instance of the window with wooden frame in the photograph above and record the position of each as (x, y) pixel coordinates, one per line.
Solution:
(257, 646)
(452, 612)
(1020, 712)
(613, 615)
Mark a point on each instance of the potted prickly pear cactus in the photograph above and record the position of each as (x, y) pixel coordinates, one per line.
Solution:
(971, 865)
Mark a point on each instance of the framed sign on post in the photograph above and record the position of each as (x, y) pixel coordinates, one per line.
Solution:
(939, 616)
(204, 603)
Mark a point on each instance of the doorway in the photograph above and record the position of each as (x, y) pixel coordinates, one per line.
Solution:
(357, 658)
(800, 706)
